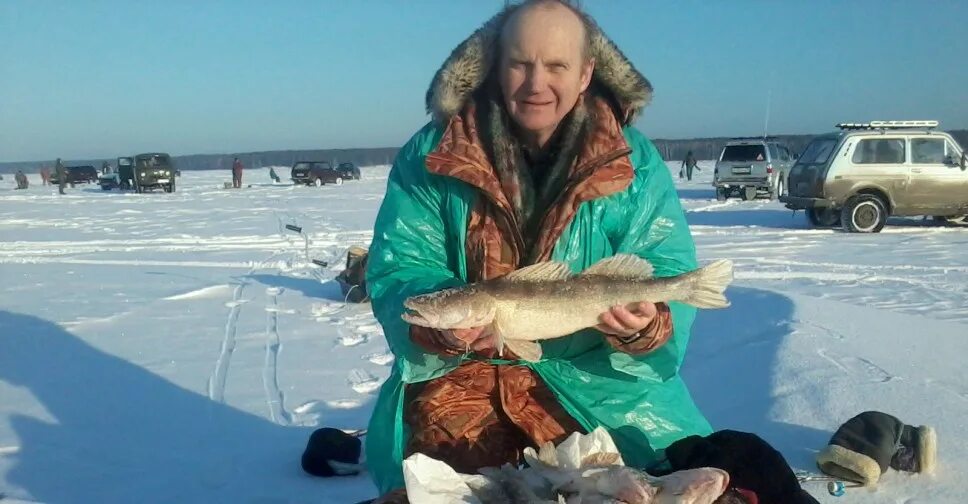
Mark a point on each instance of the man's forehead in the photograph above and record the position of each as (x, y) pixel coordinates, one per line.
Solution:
(555, 32)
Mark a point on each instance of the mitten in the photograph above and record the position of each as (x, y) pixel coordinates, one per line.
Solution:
(866, 445)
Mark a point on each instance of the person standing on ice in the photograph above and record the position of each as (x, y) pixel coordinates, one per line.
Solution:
(530, 156)
(237, 173)
(688, 165)
(61, 175)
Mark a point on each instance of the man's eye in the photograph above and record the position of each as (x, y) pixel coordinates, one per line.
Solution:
(557, 67)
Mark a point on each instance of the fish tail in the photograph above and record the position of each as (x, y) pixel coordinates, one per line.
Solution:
(710, 285)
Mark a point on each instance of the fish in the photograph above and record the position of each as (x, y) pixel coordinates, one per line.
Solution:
(547, 301)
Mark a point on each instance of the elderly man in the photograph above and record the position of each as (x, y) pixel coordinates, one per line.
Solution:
(529, 158)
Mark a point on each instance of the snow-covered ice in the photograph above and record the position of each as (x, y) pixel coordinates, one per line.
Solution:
(182, 347)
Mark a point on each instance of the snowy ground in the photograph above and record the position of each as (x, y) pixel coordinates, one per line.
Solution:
(181, 347)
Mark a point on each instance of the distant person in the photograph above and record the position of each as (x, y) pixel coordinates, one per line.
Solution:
(237, 173)
(45, 175)
(21, 179)
(105, 168)
(273, 175)
(61, 175)
(688, 165)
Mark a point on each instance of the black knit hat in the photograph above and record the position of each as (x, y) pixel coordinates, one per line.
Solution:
(332, 452)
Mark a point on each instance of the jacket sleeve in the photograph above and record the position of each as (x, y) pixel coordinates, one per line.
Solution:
(656, 230)
(409, 254)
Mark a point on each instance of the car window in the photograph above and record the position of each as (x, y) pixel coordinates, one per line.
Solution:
(744, 153)
(818, 152)
(879, 151)
(951, 150)
(774, 153)
(927, 150)
(301, 166)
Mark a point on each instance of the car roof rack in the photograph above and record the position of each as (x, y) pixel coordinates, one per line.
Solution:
(888, 125)
(765, 138)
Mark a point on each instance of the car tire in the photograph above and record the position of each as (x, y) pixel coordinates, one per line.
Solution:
(318, 182)
(722, 194)
(748, 193)
(778, 190)
(864, 213)
(338, 181)
(823, 217)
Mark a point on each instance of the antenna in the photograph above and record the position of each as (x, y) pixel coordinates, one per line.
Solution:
(769, 100)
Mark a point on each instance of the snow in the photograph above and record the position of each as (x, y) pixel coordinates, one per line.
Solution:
(182, 347)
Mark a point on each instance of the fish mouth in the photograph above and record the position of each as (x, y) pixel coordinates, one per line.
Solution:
(415, 318)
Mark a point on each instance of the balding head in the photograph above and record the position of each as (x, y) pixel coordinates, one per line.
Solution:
(544, 66)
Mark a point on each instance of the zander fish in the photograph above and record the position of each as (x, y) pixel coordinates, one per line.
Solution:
(546, 300)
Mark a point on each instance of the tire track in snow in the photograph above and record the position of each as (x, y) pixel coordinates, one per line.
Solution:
(216, 382)
(275, 398)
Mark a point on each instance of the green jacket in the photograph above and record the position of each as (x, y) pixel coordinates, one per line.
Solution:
(418, 247)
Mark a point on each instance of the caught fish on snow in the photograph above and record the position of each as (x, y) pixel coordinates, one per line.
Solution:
(546, 300)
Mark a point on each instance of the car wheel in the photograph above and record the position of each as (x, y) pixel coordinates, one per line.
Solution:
(823, 217)
(318, 182)
(748, 193)
(721, 194)
(864, 213)
(778, 190)
(338, 181)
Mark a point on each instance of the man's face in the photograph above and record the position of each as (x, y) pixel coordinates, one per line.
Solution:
(542, 69)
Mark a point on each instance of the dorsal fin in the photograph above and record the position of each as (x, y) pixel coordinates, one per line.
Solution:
(541, 272)
(627, 266)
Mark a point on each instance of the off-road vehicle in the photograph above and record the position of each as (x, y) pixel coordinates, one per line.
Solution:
(752, 167)
(860, 175)
(315, 173)
(348, 171)
(154, 171)
(85, 174)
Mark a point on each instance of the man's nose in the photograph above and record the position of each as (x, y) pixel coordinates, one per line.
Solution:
(537, 79)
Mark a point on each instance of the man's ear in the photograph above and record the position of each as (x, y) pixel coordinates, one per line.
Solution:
(587, 70)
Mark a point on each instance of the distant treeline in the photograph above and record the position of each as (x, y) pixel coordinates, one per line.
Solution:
(671, 150)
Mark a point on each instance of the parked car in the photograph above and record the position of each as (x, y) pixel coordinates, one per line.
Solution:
(85, 174)
(348, 171)
(154, 170)
(315, 173)
(752, 167)
(120, 176)
(864, 173)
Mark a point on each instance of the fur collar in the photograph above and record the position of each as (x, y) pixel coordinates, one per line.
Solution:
(469, 64)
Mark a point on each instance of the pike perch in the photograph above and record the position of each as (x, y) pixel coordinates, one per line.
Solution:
(546, 300)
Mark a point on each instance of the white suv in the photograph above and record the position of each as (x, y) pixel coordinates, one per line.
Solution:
(865, 172)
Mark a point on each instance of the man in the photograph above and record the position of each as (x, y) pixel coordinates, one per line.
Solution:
(529, 158)
(237, 173)
(688, 165)
(61, 175)
(44, 176)
(21, 179)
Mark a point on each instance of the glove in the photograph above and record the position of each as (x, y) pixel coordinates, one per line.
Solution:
(866, 445)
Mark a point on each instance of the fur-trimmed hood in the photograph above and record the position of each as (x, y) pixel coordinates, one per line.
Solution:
(469, 64)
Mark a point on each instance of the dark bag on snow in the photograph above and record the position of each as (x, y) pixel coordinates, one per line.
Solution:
(332, 452)
(352, 280)
(751, 462)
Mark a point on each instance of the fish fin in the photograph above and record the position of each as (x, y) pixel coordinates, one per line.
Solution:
(626, 266)
(710, 285)
(541, 272)
(526, 350)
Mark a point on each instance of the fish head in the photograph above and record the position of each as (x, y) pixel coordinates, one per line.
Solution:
(457, 308)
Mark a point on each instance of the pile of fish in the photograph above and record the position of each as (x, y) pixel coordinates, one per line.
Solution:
(547, 301)
(584, 469)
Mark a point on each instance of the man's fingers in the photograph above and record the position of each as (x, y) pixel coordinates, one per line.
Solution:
(629, 320)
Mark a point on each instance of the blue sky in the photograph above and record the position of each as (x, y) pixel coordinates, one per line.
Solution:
(100, 78)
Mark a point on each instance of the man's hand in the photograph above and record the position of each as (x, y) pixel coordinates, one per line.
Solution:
(622, 322)
(476, 339)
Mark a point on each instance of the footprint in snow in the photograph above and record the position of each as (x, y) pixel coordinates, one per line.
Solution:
(362, 381)
(350, 340)
(380, 359)
(274, 291)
